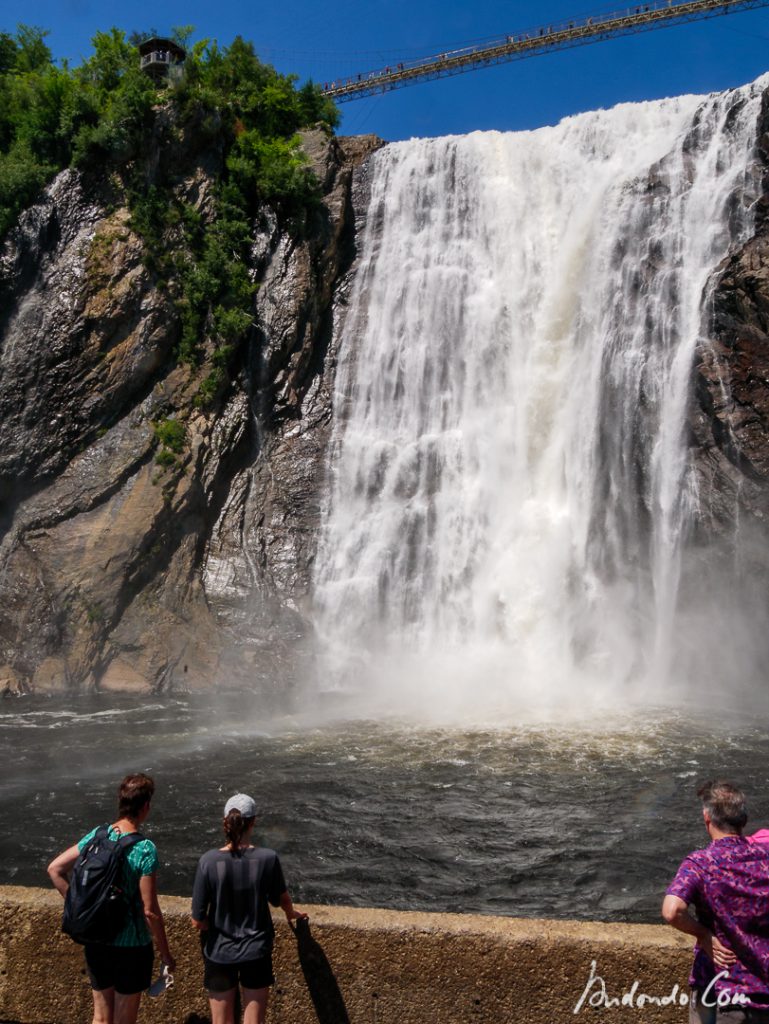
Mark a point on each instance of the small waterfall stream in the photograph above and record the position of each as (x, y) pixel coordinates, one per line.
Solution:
(510, 492)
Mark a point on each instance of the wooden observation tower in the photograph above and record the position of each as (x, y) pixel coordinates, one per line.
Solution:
(162, 59)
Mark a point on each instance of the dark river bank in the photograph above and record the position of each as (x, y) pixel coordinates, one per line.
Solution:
(584, 821)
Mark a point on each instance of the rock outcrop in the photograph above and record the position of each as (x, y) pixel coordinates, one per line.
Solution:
(730, 407)
(117, 572)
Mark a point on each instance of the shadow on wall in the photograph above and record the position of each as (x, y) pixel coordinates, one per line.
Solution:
(321, 983)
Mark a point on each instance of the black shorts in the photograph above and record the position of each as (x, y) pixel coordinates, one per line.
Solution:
(248, 973)
(127, 969)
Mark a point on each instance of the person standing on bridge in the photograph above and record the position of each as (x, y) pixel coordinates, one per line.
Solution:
(728, 885)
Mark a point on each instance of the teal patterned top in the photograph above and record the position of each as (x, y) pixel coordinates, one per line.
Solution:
(140, 859)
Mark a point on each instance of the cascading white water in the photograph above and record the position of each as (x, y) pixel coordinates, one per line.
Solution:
(509, 486)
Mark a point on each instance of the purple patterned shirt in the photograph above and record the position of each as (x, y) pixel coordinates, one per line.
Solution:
(728, 884)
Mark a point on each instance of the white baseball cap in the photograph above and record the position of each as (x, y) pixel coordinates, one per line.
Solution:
(241, 802)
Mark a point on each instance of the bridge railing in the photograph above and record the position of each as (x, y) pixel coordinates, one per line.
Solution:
(557, 35)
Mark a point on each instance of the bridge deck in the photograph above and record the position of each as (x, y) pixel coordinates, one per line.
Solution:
(643, 17)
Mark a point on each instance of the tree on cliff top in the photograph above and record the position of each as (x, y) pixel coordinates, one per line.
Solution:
(99, 113)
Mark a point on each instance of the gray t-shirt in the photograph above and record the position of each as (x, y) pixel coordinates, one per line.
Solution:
(231, 893)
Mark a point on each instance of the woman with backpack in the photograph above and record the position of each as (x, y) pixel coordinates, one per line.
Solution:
(108, 881)
(233, 887)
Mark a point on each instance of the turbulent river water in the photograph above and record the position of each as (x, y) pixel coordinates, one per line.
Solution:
(585, 819)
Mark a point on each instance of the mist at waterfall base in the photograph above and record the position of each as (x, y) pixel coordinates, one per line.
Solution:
(514, 519)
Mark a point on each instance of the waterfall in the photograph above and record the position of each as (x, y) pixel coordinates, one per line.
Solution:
(509, 487)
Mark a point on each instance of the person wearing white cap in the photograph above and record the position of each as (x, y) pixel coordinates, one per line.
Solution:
(230, 896)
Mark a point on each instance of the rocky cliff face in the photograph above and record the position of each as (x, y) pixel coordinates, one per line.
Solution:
(730, 406)
(117, 572)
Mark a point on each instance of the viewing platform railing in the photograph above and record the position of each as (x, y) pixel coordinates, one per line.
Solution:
(158, 57)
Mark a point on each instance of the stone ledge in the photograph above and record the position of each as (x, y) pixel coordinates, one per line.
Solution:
(369, 967)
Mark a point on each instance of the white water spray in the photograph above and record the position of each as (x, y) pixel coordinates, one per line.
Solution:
(509, 485)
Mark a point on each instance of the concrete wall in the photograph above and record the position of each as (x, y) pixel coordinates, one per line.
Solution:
(372, 967)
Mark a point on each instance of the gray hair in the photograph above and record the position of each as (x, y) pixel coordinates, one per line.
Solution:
(725, 805)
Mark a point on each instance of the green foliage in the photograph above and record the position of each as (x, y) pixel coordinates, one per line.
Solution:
(32, 144)
(171, 435)
(117, 135)
(8, 50)
(274, 167)
(165, 458)
(150, 219)
(49, 115)
(113, 58)
(98, 117)
(317, 108)
(94, 612)
(181, 34)
(32, 54)
(21, 178)
(210, 388)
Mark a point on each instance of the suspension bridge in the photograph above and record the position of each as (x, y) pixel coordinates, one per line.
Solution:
(546, 39)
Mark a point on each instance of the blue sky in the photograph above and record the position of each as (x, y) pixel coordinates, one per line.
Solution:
(327, 40)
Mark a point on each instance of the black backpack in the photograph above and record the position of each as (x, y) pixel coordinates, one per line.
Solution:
(96, 906)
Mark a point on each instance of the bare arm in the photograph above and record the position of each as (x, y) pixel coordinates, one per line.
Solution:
(60, 867)
(201, 901)
(154, 916)
(676, 913)
(288, 908)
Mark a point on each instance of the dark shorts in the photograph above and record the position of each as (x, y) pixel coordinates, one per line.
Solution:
(248, 973)
(127, 969)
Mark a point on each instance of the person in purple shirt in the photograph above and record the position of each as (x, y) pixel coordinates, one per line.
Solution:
(728, 885)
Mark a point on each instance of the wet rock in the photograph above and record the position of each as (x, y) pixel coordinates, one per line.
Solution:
(117, 573)
(257, 567)
(729, 422)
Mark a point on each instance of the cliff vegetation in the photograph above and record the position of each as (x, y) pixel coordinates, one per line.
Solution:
(103, 113)
(169, 260)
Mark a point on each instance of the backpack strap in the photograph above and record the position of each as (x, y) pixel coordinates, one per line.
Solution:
(125, 842)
